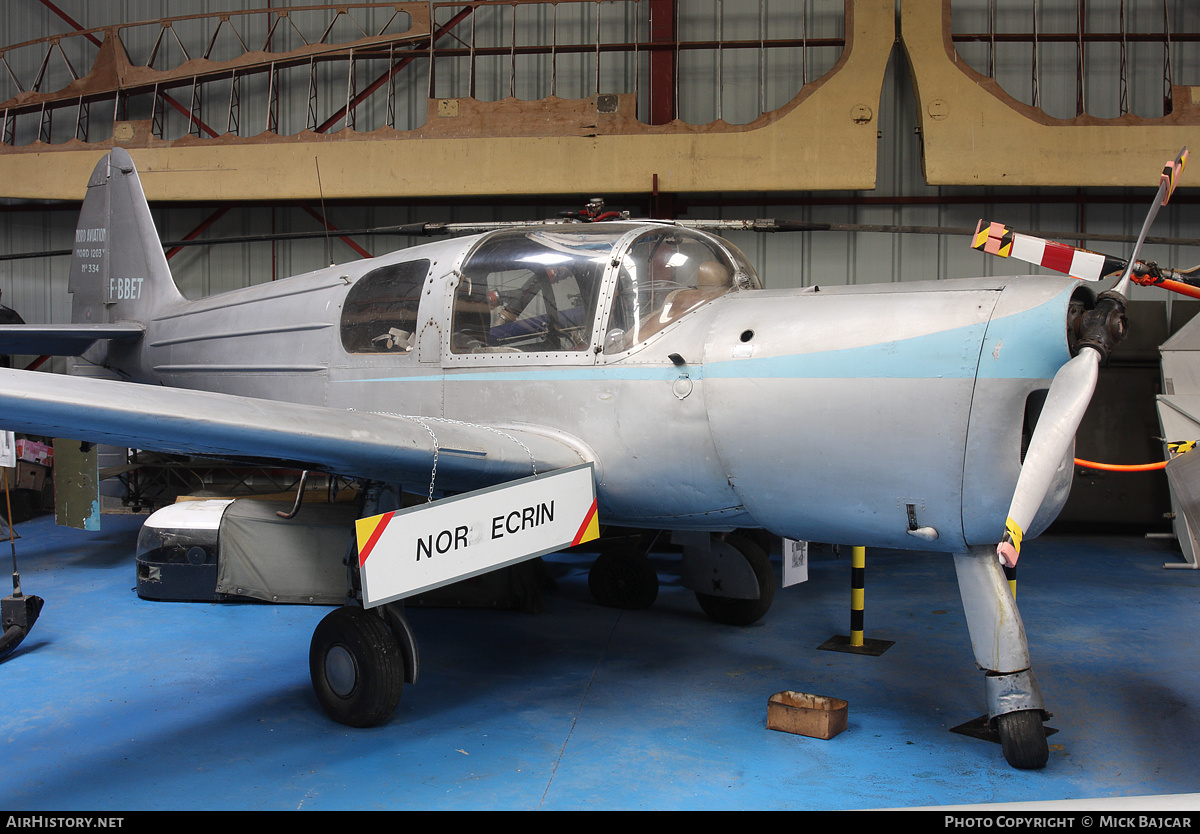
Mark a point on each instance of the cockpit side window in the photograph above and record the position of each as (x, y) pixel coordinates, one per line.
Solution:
(664, 275)
(529, 291)
(380, 311)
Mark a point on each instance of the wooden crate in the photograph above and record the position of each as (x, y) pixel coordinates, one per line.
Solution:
(815, 716)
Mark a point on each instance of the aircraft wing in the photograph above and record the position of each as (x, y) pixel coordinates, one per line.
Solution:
(391, 448)
(63, 339)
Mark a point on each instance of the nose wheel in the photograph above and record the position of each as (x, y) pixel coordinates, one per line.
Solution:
(1023, 739)
(357, 667)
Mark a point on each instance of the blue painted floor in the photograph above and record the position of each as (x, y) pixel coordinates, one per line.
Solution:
(117, 703)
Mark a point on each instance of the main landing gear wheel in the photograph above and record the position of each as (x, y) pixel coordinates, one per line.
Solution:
(743, 612)
(623, 578)
(1023, 739)
(356, 666)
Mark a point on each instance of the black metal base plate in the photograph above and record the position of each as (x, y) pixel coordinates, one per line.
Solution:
(982, 729)
(841, 643)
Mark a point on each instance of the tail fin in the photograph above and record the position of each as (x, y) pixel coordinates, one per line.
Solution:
(118, 270)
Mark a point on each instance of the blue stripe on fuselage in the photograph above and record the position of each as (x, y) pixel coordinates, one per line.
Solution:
(949, 354)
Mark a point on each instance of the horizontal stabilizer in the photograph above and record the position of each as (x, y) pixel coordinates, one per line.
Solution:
(63, 339)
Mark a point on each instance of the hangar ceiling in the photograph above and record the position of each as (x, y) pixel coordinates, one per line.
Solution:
(584, 96)
(526, 135)
(986, 124)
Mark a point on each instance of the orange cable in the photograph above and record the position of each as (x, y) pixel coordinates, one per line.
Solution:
(1116, 467)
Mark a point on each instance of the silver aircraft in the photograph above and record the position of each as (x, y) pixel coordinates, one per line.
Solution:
(892, 415)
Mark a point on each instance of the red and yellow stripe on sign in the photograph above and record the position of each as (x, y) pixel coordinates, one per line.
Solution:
(368, 531)
(590, 529)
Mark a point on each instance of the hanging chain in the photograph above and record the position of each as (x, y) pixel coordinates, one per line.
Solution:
(433, 472)
(532, 461)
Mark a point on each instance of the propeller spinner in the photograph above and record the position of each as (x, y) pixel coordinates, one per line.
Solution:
(1098, 331)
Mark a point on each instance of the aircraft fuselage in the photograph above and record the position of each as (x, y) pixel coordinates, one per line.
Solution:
(842, 414)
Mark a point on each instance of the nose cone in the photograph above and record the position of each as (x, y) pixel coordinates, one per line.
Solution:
(1025, 347)
(845, 415)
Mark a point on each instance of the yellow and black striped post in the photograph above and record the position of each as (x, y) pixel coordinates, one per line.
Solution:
(858, 577)
(856, 643)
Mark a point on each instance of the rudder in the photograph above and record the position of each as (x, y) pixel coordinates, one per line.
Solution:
(118, 270)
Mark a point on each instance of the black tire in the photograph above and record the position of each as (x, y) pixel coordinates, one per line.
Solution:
(1023, 739)
(356, 666)
(623, 579)
(743, 612)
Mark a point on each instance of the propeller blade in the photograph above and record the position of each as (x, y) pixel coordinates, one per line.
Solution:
(1166, 187)
(1068, 398)
(1099, 330)
(1000, 240)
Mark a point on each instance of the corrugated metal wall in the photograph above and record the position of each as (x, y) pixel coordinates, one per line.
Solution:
(712, 85)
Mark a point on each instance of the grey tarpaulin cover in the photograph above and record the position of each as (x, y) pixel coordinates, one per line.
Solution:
(296, 560)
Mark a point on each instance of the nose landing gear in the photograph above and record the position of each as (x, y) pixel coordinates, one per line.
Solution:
(1015, 705)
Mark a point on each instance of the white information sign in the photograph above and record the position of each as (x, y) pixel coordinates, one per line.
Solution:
(8, 449)
(406, 552)
(795, 562)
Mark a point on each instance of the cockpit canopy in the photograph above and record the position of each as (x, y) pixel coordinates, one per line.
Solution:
(666, 273)
(531, 290)
(541, 289)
